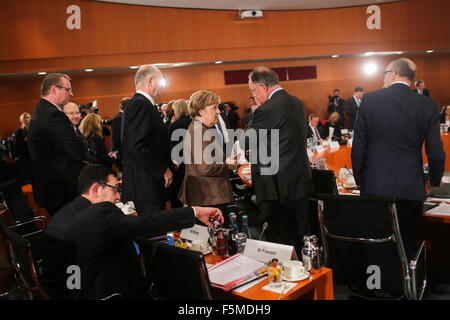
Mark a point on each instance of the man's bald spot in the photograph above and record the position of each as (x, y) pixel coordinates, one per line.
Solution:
(69, 104)
(404, 67)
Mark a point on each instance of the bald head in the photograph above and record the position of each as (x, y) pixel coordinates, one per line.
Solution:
(402, 69)
(72, 112)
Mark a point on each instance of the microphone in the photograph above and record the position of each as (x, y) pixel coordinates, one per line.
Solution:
(265, 225)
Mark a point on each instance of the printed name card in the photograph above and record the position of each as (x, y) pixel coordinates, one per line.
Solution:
(194, 233)
(334, 145)
(344, 131)
(320, 149)
(264, 251)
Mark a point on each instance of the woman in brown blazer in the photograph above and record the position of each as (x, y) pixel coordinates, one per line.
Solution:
(206, 180)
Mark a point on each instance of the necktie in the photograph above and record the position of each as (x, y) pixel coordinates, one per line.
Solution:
(316, 133)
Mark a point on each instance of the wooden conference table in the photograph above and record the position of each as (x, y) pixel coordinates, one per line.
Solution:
(320, 287)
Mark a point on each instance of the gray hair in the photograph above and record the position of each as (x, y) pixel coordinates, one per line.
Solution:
(264, 75)
(145, 72)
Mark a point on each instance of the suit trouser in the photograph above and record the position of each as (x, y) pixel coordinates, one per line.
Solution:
(287, 221)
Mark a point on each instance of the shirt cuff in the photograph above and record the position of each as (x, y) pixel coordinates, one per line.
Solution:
(195, 212)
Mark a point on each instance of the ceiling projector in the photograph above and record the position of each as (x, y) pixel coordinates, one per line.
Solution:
(250, 14)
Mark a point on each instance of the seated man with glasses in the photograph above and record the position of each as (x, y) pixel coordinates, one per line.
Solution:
(92, 233)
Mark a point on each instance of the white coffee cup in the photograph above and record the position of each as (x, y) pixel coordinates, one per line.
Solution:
(199, 245)
(293, 268)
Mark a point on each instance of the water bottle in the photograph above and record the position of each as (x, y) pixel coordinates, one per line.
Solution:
(245, 228)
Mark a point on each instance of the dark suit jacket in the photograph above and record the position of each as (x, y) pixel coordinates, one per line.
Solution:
(105, 251)
(293, 179)
(116, 127)
(58, 253)
(145, 151)
(56, 155)
(310, 132)
(390, 129)
(425, 92)
(351, 109)
(97, 144)
(325, 131)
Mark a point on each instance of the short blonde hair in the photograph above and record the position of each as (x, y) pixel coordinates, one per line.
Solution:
(181, 107)
(22, 118)
(334, 117)
(91, 125)
(201, 99)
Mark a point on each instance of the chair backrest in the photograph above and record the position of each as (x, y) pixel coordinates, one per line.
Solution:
(23, 261)
(324, 181)
(362, 244)
(175, 273)
(18, 205)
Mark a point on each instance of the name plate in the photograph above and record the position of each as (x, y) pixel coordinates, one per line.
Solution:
(334, 145)
(320, 149)
(196, 232)
(264, 251)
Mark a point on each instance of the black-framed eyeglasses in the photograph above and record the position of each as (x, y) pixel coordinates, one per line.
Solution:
(115, 188)
(61, 87)
(384, 73)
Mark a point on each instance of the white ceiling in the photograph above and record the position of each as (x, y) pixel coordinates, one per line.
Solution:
(252, 4)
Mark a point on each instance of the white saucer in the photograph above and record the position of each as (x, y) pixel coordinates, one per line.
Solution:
(300, 276)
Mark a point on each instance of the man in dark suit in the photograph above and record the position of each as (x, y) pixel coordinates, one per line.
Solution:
(116, 127)
(352, 106)
(145, 145)
(390, 129)
(93, 233)
(420, 88)
(312, 127)
(55, 150)
(337, 105)
(281, 178)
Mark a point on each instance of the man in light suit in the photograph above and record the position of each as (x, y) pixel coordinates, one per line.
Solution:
(145, 145)
(352, 106)
(282, 186)
(391, 127)
(55, 150)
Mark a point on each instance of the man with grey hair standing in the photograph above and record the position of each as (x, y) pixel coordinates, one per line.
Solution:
(283, 184)
(55, 150)
(390, 129)
(145, 145)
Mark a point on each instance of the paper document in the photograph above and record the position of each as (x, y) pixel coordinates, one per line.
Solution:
(443, 209)
(232, 269)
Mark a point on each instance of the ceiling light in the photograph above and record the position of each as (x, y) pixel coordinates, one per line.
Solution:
(88, 70)
(430, 51)
(218, 62)
(134, 67)
(369, 53)
(163, 83)
(370, 68)
(42, 73)
(335, 56)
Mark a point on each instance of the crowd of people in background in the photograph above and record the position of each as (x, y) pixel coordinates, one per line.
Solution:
(61, 138)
